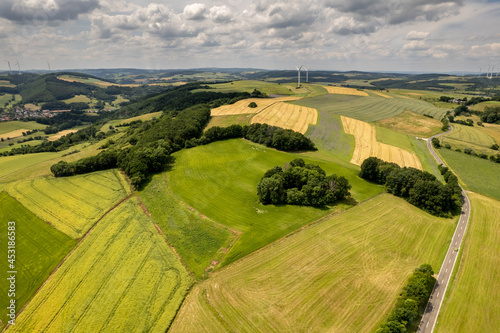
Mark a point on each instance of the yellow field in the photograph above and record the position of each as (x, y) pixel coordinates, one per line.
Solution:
(241, 107)
(380, 94)
(13, 134)
(289, 116)
(60, 134)
(367, 145)
(340, 275)
(344, 91)
(123, 277)
(71, 204)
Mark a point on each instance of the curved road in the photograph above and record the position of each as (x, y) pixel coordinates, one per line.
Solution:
(429, 318)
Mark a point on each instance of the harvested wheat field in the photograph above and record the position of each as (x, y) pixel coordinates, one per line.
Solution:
(241, 107)
(367, 146)
(285, 115)
(61, 134)
(345, 91)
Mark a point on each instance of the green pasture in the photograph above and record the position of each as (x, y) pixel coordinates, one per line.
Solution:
(123, 277)
(478, 175)
(472, 301)
(38, 250)
(143, 117)
(481, 106)
(219, 180)
(225, 121)
(343, 274)
(197, 239)
(10, 126)
(249, 86)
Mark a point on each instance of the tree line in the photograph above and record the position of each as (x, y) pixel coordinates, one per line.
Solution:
(411, 303)
(299, 183)
(419, 188)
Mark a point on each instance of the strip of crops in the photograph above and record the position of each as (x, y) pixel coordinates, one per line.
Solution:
(71, 204)
(122, 277)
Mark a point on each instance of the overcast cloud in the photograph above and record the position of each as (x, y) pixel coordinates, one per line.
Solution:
(420, 35)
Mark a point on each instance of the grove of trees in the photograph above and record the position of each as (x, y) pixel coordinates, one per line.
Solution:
(301, 184)
(419, 188)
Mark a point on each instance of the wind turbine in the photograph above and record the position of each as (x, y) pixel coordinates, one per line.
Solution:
(480, 71)
(307, 75)
(48, 65)
(18, 67)
(10, 69)
(298, 75)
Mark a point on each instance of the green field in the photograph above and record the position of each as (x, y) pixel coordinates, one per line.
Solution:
(225, 121)
(472, 302)
(5, 100)
(341, 275)
(10, 126)
(477, 174)
(71, 204)
(39, 248)
(428, 162)
(481, 106)
(329, 136)
(197, 239)
(78, 99)
(123, 277)
(86, 80)
(393, 138)
(469, 136)
(219, 180)
(370, 108)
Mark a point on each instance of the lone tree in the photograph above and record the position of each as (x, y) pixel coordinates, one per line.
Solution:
(252, 105)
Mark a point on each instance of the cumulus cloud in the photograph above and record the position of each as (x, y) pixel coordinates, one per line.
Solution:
(195, 11)
(45, 11)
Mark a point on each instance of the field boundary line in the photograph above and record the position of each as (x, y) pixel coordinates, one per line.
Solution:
(79, 242)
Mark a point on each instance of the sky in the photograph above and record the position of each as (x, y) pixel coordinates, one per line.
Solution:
(367, 35)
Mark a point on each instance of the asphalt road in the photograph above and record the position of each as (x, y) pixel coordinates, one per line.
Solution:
(430, 316)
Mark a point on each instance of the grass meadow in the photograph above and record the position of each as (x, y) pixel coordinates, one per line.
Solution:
(197, 239)
(39, 248)
(11, 126)
(123, 277)
(220, 181)
(471, 305)
(478, 175)
(225, 121)
(343, 274)
(71, 204)
(370, 108)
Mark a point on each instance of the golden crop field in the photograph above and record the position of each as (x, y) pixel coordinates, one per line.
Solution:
(380, 94)
(343, 274)
(13, 134)
(345, 91)
(122, 277)
(289, 116)
(241, 107)
(367, 145)
(60, 134)
(71, 204)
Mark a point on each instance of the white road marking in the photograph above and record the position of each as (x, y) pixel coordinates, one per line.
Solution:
(442, 281)
(459, 235)
(427, 324)
(437, 295)
(446, 270)
(449, 261)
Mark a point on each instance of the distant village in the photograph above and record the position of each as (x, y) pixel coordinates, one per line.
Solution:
(20, 112)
